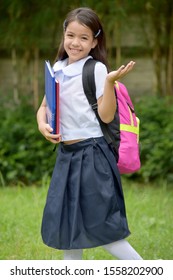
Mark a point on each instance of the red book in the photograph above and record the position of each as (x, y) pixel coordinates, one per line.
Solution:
(52, 98)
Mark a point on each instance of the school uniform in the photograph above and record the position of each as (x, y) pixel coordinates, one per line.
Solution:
(85, 204)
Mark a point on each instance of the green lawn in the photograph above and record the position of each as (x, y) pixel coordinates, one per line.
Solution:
(149, 210)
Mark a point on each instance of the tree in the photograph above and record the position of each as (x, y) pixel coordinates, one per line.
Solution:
(161, 15)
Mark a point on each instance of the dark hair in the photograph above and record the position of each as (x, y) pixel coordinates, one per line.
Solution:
(89, 18)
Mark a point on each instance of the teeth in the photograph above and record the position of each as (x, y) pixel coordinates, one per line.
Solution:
(74, 51)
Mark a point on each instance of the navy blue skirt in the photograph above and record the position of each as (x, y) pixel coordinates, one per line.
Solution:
(85, 204)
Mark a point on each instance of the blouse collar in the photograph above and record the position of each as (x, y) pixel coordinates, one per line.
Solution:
(72, 69)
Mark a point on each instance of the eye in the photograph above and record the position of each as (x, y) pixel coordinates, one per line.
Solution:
(69, 35)
(84, 38)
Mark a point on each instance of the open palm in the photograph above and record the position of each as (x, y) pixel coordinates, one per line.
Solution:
(121, 72)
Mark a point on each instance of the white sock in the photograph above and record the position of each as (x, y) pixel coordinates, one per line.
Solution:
(75, 254)
(122, 250)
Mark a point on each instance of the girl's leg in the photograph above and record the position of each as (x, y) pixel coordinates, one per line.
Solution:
(122, 250)
(73, 254)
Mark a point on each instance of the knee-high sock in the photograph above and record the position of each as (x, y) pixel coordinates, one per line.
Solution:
(122, 250)
(75, 254)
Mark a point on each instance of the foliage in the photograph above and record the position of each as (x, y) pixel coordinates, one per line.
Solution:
(30, 29)
(25, 156)
(156, 138)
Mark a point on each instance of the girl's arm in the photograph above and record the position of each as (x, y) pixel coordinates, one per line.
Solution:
(43, 126)
(107, 102)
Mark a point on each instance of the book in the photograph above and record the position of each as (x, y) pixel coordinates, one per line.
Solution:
(52, 98)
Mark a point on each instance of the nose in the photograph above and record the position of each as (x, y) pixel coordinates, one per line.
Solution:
(75, 41)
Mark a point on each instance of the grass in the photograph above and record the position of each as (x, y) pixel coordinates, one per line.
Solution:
(149, 211)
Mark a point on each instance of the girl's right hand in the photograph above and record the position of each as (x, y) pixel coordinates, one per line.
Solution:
(46, 131)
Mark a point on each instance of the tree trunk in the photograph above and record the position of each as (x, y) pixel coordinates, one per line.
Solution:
(118, 42)
(157, 55)
(169, 60)
(15, 76)
(36, 78)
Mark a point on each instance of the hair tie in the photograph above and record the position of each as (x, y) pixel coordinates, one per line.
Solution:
(97, 34)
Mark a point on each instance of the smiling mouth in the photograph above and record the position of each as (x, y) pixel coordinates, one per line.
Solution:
(75, 51)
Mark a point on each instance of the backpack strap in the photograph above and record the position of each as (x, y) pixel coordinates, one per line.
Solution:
(88, 80)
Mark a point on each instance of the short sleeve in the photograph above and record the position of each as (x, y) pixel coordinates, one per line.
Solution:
(100, 76)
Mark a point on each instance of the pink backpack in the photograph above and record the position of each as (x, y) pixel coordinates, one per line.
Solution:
(129, 159)
(123, 132)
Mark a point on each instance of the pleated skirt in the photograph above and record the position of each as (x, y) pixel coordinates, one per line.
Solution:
(85, 203)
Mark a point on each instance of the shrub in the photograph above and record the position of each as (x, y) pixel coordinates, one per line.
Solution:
(156, 138)
(25, 156)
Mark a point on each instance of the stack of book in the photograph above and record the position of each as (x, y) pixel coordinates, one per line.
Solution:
(52, 98)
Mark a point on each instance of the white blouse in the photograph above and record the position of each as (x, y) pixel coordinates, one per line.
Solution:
(77, 119)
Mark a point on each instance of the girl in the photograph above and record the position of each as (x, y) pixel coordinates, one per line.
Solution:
(85, 203)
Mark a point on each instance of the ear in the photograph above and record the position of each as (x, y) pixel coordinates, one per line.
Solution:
(95, 42)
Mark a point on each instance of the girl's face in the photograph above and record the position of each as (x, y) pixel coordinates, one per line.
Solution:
(78, 41)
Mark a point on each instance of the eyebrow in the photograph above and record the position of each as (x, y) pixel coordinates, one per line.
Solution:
(84, 34)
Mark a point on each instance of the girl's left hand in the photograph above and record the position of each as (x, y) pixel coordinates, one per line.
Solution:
(121, 72)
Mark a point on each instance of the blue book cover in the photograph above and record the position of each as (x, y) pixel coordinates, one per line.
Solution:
(52, 98)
